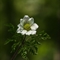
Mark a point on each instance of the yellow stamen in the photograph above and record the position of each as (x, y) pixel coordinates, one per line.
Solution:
(27, 26)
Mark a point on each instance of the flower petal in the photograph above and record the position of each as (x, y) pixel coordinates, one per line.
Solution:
(23, 32)
(33, 32)
(18, 25)
(31, 21)
(34, 26)
(26, 17)
(29, 32)
(22, 22)
(19, 29)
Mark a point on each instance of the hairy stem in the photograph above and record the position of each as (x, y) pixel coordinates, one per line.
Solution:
(15, 54)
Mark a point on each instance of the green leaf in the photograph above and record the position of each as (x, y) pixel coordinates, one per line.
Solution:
(8, 41)
(14, 46)
(33, 51)
(36, 48)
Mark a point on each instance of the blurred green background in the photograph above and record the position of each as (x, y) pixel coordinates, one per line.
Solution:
(46, 14)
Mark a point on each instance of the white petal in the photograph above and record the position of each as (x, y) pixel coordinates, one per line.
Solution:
(34, 26)
(18, 30)
(26, 17)
(29, 32)
(31, 20)
(18, 25)
(33, 32)
(22, 22)
(23, 32)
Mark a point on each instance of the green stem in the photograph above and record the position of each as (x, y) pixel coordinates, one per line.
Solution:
(15, 54)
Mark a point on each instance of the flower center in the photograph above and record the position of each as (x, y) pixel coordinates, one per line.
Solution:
(27, 26)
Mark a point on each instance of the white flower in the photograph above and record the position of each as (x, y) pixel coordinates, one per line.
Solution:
(27, 26)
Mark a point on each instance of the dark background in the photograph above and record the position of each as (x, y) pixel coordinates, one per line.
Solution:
(46, 14)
